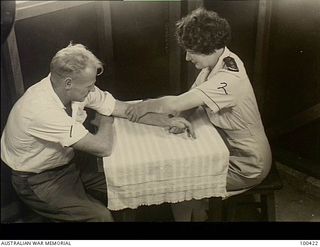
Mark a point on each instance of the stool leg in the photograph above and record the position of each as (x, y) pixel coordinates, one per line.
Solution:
(268, 207)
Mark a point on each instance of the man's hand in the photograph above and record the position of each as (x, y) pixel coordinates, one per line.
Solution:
(179, 125)
(175, 130)
(135, 111)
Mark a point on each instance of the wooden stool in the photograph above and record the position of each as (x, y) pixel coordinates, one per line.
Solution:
(265, 192)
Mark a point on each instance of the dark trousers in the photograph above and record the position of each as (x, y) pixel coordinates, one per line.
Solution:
(72, 193)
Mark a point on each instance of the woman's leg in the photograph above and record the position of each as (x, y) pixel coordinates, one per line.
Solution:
(193, 210)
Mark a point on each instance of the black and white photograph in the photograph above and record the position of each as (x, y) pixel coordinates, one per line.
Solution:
(191, 117)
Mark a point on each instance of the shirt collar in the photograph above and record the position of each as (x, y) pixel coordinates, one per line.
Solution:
(49, 87)
(219, 64)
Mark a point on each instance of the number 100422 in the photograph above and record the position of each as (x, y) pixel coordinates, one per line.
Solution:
(309, 243)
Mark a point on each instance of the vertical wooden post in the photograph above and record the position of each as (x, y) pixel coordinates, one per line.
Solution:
(192, 72)
(103, 10)
(11, 78)
(12, 67)
(261, 51)
(268, 207)
(174, 51)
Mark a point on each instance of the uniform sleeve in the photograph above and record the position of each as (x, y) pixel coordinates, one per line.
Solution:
(201, 77)
(56, 126)
(101, 101)
(220, 91)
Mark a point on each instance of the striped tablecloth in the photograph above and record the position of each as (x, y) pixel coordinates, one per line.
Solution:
(150, 166)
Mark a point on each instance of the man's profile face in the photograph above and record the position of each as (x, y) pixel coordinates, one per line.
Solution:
(83, 83)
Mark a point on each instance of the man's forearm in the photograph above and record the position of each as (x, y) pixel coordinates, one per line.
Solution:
(179, 124)
(99, 144)
(187, 114)
(156, 119)
(105, 131)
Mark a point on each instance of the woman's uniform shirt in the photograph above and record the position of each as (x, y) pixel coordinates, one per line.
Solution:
(231, 106)
(39, 132)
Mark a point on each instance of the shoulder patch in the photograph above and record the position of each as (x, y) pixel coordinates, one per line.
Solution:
(231, 64)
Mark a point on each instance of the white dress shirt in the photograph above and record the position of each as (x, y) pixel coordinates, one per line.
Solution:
(39, 132)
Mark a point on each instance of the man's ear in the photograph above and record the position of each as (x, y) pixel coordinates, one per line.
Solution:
(68, 83)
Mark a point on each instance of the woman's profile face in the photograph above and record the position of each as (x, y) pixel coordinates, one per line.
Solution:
(202, 61)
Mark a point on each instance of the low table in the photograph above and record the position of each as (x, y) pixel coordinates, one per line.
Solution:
(149, 166)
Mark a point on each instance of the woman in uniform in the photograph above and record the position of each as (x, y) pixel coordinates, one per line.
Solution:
(223, 89)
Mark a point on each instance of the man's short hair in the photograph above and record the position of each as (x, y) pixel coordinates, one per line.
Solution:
(203, 32)
(73, 59)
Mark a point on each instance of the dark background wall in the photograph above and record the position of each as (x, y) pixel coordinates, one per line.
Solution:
(140, 54)
(139, 33)
(242, 17)
(40, 37)
(294, 58)
(293, 75)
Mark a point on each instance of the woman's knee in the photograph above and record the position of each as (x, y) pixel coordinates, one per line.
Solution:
(102, 216)
(238, 182)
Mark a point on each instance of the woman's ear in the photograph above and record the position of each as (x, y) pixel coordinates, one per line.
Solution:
(68, 83)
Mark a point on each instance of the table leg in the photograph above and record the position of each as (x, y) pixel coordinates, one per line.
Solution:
(215, 209)
(128, 215)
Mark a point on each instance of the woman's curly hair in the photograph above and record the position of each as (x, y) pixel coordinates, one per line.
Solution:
(203, 32)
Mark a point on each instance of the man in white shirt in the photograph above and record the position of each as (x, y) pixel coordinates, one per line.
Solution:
(44, 128)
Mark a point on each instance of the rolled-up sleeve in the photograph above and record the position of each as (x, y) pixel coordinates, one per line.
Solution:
(101, 101)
